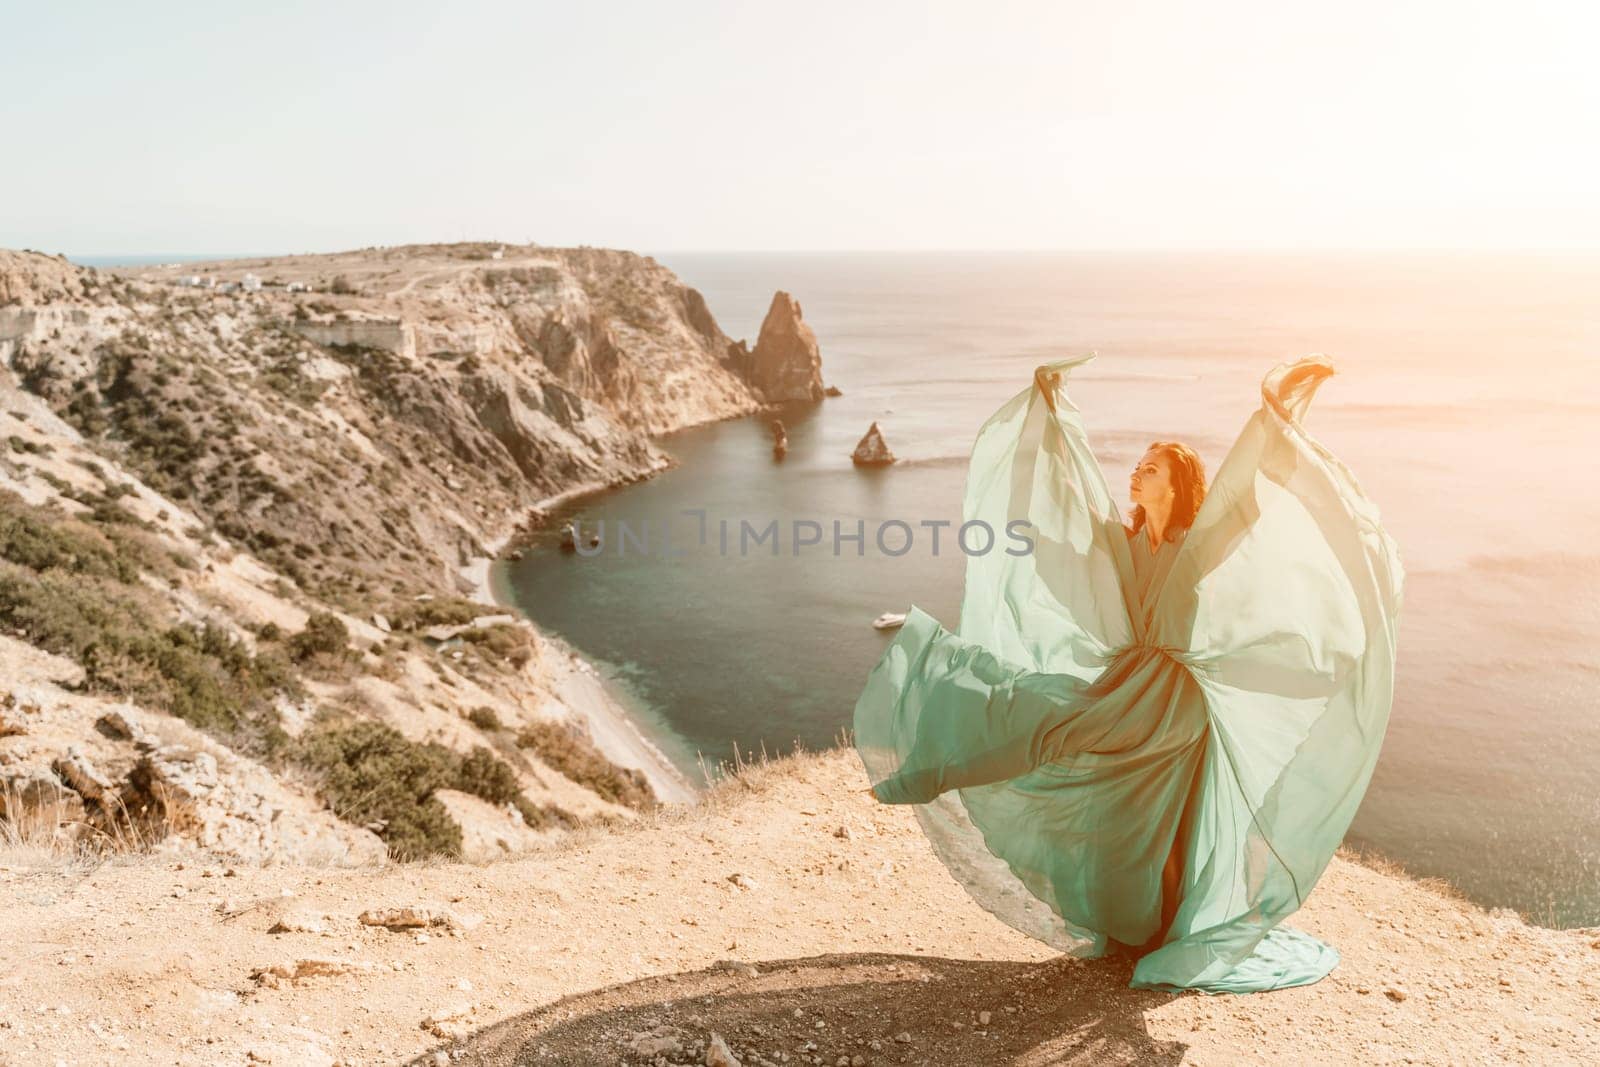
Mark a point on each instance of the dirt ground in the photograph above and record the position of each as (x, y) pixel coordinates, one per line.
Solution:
(787, 919)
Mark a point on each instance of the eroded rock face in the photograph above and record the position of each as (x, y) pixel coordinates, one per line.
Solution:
(35, 278)
(117, 773)
(872, 450)
(786, 364)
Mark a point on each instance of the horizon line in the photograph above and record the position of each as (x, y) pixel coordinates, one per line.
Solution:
(954, 250)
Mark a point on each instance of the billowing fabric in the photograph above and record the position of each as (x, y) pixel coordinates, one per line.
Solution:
(1214, 709)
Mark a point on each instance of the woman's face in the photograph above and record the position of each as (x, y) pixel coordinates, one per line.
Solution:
(1151, 481)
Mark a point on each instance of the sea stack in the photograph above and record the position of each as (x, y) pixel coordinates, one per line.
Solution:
(786, 364)
(872, 450)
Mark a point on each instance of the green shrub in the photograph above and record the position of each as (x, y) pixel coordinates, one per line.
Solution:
(324, 633)
(574, 756)
(43, 540)
(509, 643)
(486, 775)
(484, 718)
(75, 591)
(373, 776)
(440, 611)
(203, 675)
(545, 816)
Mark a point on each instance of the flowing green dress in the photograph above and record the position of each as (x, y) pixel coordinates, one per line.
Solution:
(1103, 710)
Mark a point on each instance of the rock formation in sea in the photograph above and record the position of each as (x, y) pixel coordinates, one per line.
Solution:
(786, 364)
(872, 450)
(780, 438)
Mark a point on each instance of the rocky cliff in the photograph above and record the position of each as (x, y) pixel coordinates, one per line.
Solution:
(375, 431)
(242, 494)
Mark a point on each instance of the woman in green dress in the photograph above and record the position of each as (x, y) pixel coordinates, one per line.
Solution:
(1150, 738)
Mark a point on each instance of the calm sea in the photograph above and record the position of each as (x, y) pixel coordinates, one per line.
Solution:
(1467, 404)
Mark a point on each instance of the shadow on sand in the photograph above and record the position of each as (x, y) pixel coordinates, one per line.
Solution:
(1057, 1012)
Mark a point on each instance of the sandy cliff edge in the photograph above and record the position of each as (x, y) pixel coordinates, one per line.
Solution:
(787, 913)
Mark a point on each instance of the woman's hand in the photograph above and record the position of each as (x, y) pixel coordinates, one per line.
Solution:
(1047, 381)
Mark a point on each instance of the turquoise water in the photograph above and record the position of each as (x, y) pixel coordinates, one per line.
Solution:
(1467, 404)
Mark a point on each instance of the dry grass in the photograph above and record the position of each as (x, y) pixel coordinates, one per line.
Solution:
(733, 783)
(50, 832)
(1374, 861)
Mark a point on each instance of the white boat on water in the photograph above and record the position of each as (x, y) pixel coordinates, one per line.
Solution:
(889, 620)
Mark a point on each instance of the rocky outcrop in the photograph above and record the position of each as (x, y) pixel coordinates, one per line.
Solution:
(385, 334)
(872, 450)
(35, 278)
(780, 439)
(786, 364)
(93, 771)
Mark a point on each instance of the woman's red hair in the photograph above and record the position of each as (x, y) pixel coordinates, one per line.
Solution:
(1188, 485)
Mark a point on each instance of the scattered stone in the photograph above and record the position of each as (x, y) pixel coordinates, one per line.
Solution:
(82, 778)
(276, 974)
(1395, 993)
(415, 917)
(832, 390)
(718, 1054)
(983, 1018)
(743, 881)
(119, 725)
(661, 1041)
(452, 1023)
(300, 921)
(904, 1037)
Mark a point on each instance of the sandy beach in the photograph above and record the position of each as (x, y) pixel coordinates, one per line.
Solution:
(576, 681)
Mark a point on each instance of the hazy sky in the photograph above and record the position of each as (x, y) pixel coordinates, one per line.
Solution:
(284, 126)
